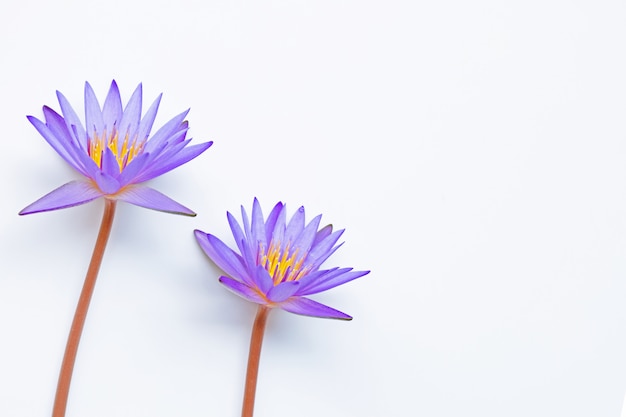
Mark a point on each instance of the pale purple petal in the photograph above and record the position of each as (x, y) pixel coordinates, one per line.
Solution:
(166, 150)
(295, 226)
(130, 172)
(72, 121)
(132, 114)
(305, 240)
(322, 233)
(147, 121)
(106, 183)
(282, 291)
(245, 223)
(308, 307)
(263, 280)
(83, 145)
(222, 255)
(237, 232)
(56, 143)
(71, 194)
(147, 197)
(182, 157)
(56, 123)
(324, 249)
(249, 259)
(109, 164)
(112, 108)
(65, 138)
(270, 223)
(242, 290)
(313, 278)
(258, 225)
(333, 281)
(89, 164)
(165, 132)
(315, 263)
(278, 233)
(94, 125)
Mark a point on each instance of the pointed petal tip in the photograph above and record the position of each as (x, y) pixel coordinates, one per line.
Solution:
(150, 198)
(307, 307)
(74, 193)
(201, 237)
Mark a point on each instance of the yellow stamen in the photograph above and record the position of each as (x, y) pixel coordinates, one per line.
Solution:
(124, 152)
(282, 265)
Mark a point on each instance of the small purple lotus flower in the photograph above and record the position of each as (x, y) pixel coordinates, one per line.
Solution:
(278, 263)
(113, 151)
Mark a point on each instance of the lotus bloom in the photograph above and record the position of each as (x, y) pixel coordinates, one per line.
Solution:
(114, 152)
(278, 263)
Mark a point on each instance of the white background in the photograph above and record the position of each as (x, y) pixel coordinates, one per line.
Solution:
(474, 151)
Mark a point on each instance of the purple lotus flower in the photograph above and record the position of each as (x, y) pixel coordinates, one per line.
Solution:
(113, 151)
(278, 263)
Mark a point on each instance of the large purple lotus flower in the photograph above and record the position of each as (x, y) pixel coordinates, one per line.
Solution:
(278, 263)
(113, 151)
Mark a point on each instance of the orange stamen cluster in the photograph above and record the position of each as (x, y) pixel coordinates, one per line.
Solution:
(282, 265)
(124, 152)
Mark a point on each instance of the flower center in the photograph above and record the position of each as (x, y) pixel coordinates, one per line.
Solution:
(282, 264)
(124, 151)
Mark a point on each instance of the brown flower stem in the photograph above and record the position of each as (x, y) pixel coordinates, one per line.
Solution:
(65, 376)
(256, 340)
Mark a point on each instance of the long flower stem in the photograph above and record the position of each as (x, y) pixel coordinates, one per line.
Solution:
(256, 341)
(65, 376)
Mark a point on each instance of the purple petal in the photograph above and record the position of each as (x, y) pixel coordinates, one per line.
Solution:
(90, 166)
(65, 138)
(308, 307)
(240, 238)
(322, 233)
(93, 113)
(313, 278)
(109, 164)
(112, 108)
(282, 291)
(320, 252)
(168, 149)
(165, 132)
(71, 194)
(245, 223)
(331, 281)
(182, 157)
(270, 223)
(295, 226)
(132, 114)
(107, 183)
(148, 120)
(315, 263)
(249, 261)
(305, 240)
(56, 143)
(130, 172)
(258, 225)
(242, 290)
(278, 233)
(263, 280)
(222, 255)
(72, 121)
(147, 197)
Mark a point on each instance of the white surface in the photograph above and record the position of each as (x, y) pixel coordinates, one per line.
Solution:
(474, 151)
